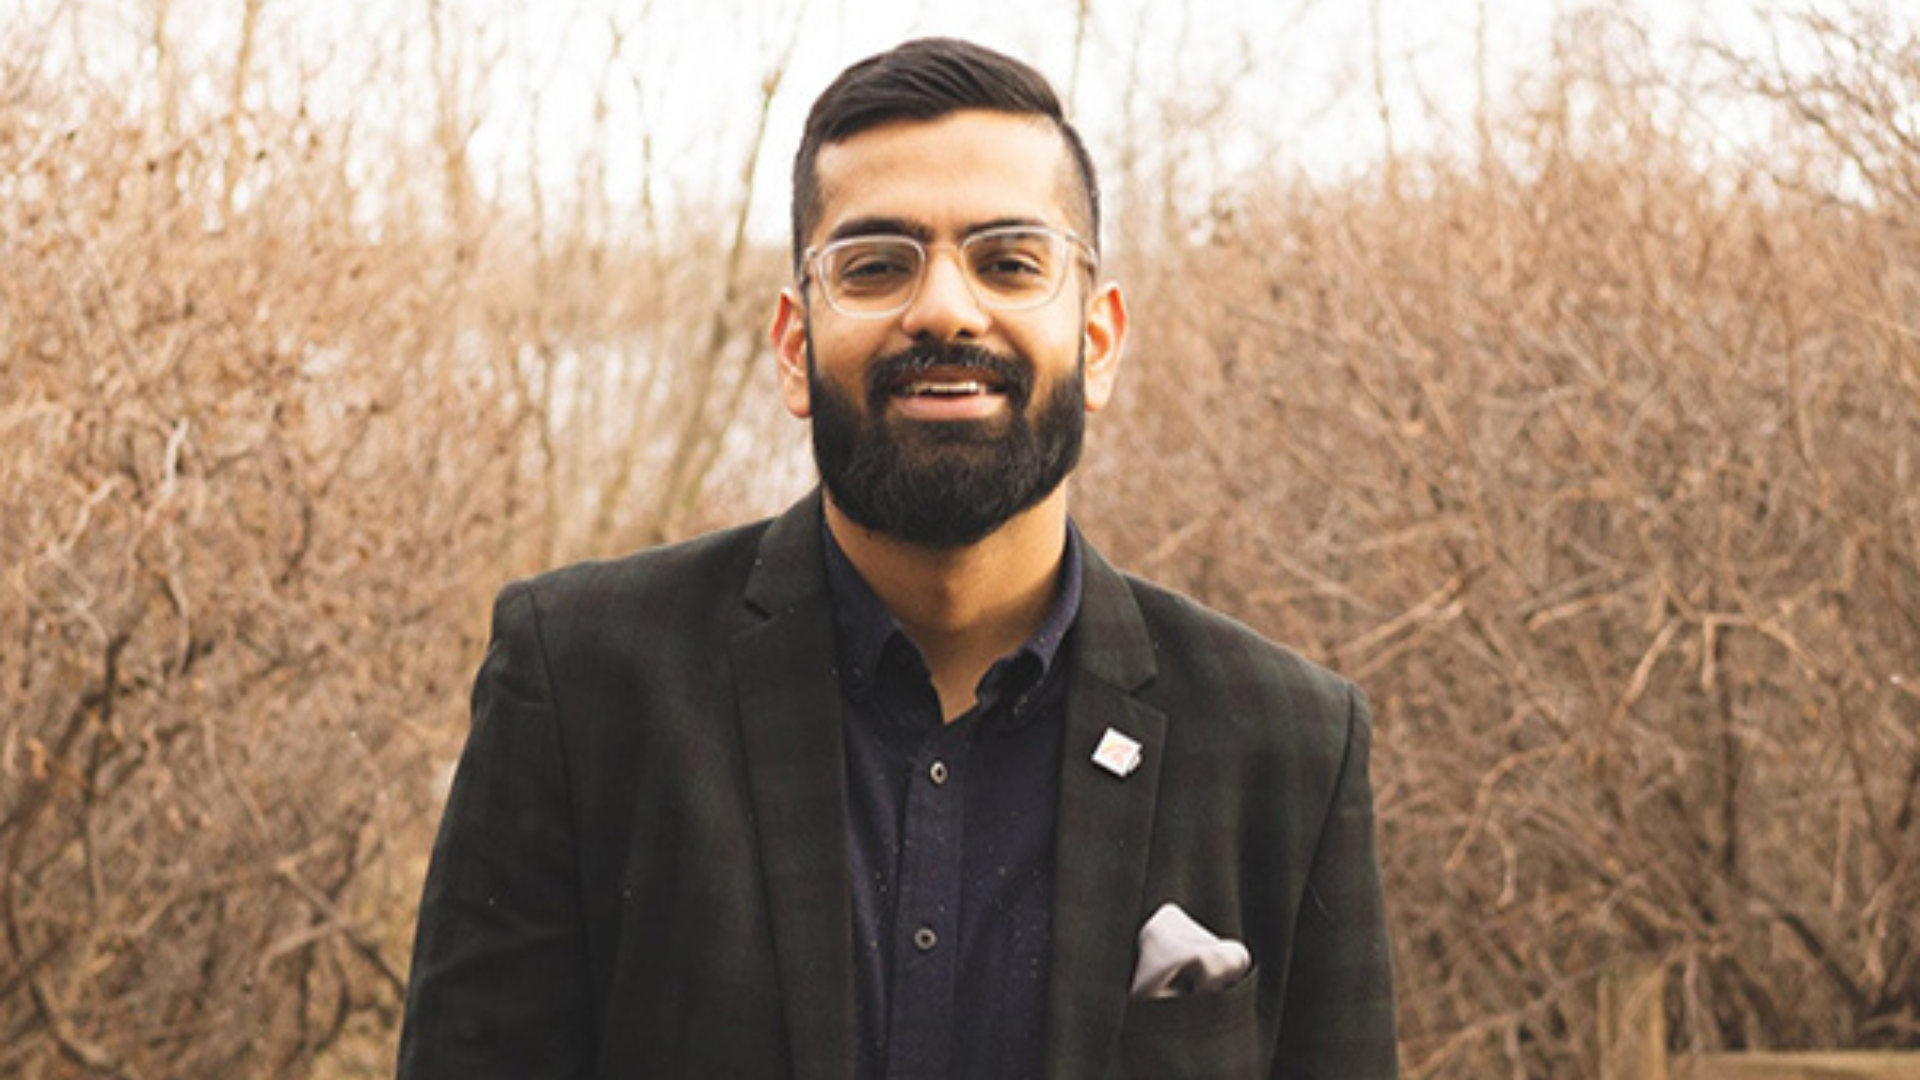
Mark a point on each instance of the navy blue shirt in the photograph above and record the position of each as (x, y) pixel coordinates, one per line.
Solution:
(950, 837)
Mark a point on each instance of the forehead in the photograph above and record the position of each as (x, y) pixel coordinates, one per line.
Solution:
(946, 176)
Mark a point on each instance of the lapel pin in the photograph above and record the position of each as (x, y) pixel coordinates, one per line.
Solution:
(1116, 753)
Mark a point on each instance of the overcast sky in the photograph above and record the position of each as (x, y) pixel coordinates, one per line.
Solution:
(1271, 83)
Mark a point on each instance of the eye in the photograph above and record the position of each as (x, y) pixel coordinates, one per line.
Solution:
(1012, 261)
(871, 267)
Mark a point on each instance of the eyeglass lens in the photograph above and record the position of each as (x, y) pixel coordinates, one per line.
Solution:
(1006, 268)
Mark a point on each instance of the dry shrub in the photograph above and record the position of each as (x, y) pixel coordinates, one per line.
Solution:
(247, 493)
(1596, 465)
(285, 398)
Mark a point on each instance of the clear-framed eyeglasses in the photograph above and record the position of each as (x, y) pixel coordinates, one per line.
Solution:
(1014, 268)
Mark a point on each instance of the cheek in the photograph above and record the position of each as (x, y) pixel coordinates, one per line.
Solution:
(842, 350)
(1054, 349)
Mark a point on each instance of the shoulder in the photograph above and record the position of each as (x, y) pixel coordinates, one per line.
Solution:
(675, 583)
(1193, 642)
(713, 556)
(1214, 674)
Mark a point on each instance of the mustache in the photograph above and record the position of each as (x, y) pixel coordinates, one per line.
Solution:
(1013, 376)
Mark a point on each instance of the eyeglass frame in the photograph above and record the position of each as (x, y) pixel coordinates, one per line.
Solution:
(810, 258)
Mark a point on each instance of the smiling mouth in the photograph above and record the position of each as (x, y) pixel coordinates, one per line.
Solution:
(936, 381)
(946, 381)
(949, 394)
(945, 388)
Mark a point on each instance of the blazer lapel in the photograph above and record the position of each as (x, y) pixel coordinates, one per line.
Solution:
(1105, 823)
(790, 716)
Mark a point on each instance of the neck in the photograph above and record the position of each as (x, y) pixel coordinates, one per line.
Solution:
(964, 607)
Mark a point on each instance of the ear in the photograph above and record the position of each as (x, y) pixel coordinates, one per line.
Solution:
(1105, 332)
(788, 335)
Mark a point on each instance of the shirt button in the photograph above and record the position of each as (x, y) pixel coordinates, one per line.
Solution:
(937, 772)
(925, 939)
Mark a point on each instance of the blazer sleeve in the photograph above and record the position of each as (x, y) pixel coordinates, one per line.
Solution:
(500, 986)
(1338, 1022)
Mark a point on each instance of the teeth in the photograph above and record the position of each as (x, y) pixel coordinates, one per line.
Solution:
(945, 389)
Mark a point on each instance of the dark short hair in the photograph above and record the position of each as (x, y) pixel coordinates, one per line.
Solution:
(927, 79)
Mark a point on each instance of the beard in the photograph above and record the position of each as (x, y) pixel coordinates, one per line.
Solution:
(944, 484)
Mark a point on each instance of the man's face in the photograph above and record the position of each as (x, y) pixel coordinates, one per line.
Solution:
(937, 424)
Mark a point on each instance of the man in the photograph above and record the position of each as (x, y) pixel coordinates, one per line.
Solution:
(908, 782)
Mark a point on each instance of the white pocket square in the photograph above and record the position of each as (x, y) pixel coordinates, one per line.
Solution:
(1179, 956)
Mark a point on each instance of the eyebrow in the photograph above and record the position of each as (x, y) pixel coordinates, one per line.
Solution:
(893, 226)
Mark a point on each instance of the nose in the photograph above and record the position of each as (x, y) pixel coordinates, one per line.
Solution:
(944, 308)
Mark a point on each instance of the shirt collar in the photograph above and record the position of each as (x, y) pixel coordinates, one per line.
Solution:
(864, 627)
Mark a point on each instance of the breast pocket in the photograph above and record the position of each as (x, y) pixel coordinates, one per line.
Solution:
(1215, 1036)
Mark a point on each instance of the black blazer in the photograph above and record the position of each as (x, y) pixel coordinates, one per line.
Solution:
(642, 870)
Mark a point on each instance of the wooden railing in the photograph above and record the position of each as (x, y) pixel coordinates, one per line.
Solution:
(1633, 1044)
